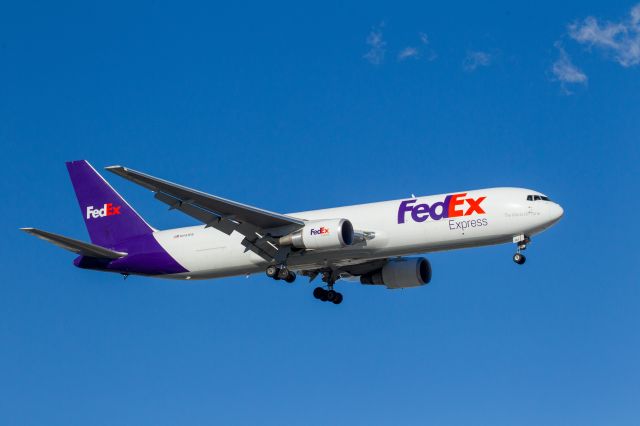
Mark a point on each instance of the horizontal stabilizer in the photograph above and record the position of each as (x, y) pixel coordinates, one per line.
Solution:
(75, 246)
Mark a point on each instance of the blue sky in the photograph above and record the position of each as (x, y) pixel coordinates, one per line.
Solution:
(291, 106)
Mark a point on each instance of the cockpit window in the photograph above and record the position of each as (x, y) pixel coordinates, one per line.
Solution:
(537, 198)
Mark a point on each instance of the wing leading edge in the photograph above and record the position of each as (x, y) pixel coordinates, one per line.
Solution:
(258, 226)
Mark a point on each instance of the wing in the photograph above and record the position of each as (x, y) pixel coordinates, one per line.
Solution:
(259, 227)
(75, 246)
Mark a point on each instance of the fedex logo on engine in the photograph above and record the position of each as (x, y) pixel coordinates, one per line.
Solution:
(107, 210)
(320, 231)
(455, 205)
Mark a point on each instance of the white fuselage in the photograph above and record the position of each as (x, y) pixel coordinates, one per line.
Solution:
(502, 214)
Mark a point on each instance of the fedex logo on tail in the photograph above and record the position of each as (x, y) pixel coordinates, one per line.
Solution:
(455, 205)
(107, 210)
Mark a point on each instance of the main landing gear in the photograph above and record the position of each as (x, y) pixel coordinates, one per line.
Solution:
(521, 241)
(280, 273)
(329, 295)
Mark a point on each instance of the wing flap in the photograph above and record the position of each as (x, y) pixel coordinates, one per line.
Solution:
(75, 246)
(253, 240)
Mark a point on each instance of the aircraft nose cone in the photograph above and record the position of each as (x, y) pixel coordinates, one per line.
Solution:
(556, 212)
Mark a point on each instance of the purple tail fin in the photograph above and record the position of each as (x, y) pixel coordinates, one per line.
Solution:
(109, 218)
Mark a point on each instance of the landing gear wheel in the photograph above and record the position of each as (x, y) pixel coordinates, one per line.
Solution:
(318, 292)
(272, 271)
(327, 295)
(283, 273)
(519, 258)
(323, 295)
(291, 277)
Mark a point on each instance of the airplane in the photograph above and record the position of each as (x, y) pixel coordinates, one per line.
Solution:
(374, 243)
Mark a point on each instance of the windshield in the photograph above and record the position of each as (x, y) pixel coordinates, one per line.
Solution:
(537, 198)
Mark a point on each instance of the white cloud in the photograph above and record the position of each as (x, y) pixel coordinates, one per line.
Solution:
(408, 52)
(476, 59)
(619, 40)
(377, 46)
(565, 71)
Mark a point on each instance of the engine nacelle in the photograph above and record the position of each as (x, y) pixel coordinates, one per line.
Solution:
(321, 235)
(401, 273)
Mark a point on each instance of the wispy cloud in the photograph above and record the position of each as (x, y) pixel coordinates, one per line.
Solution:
(565, 71)
(430, 54)
(618, 40)
(377, 46)
(424, 50)
(408, 52)
(475, 59)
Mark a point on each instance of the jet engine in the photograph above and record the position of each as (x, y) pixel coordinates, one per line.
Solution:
(404, 272)
(321, 235)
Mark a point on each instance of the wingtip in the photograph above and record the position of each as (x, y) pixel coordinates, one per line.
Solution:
(115, 168)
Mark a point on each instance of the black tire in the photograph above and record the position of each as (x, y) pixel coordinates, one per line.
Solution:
(519, 258)
(283, 273)
(338, 299)
(271, 271)
(323, 296)
(331, 295)
(318, 292)
(291, 277)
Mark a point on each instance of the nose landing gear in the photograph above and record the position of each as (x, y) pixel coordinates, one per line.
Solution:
(521, 241)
